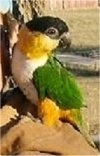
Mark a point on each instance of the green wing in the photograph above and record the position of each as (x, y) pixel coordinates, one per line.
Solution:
(53, 81)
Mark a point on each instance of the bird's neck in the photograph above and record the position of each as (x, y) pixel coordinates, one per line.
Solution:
(33, 53)
(34, 45)
(20, 61)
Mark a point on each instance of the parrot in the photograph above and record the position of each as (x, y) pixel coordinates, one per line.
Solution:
(42, 78)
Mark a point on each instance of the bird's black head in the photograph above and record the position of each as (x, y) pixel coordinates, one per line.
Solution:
(53, 27)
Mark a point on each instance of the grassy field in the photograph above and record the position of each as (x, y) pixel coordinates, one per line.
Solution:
(84, 28)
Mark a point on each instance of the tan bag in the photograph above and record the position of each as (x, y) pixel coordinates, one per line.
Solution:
(23, 136)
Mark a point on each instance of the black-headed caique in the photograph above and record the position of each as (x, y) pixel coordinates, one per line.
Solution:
(42, 78)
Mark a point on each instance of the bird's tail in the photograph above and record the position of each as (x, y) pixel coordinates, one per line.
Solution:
(82, 126)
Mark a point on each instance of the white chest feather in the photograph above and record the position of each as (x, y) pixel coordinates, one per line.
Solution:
(22, 70)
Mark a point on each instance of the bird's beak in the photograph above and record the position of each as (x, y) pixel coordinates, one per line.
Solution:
(64, 42)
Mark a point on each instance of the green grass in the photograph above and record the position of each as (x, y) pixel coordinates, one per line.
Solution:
(84, 27)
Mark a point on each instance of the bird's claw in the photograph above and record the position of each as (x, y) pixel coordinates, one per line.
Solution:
(33, 118)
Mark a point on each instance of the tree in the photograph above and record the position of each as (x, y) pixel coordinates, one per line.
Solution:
(25, 10)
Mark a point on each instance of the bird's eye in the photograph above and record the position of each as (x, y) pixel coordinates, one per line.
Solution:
(52, 32)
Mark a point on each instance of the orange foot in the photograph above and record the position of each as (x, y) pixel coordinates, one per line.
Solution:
(49, 112)
(68, 116)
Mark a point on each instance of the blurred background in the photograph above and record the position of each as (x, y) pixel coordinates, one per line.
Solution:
(82, 17)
